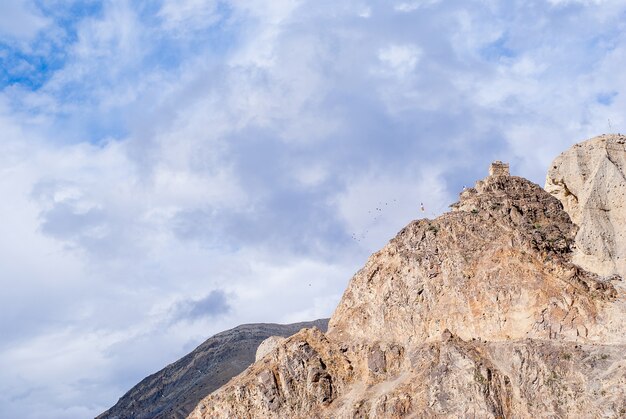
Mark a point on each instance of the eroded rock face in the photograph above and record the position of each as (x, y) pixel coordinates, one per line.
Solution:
(478, 313)
(299, 378)
(590, 180)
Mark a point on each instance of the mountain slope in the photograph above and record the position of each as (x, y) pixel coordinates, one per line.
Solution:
(478, 313)
(175, 390)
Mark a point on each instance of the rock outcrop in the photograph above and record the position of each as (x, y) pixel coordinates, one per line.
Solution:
(482, 312)
(268, 345)
(498, 267)
(174, 391)
(590, 180)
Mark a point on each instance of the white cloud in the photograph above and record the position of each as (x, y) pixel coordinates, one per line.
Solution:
(409, 6)
(399, 60)
(20, 20)
(183, 13)
(365, 12)
(266, 13)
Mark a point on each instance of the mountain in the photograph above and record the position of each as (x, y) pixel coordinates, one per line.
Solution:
(174, 391)
(485, 311)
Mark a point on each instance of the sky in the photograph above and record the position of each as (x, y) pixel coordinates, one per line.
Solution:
(173, 168)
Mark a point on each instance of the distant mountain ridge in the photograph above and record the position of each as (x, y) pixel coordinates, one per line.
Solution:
(174, 391)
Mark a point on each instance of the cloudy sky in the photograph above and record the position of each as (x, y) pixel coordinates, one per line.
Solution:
(172, 168)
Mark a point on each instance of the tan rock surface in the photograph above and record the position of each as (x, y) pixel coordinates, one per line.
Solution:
(590, 180)
(267, 346)
(299, 378)
(478, 313)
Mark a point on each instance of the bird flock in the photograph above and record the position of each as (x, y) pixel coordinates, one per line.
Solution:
(375, 215)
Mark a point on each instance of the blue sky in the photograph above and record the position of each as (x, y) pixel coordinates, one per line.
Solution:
(170, 169)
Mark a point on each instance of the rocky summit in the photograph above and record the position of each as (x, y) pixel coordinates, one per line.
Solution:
(512, 304)
(507, 306)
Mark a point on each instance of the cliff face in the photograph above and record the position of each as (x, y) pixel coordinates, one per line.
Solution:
(174, 391)
(590, 180)
(481, 312)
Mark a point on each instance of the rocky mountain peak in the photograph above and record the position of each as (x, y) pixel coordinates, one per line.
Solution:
(497, 267)
(481, 312)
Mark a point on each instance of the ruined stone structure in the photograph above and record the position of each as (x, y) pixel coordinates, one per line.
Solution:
(498, 168)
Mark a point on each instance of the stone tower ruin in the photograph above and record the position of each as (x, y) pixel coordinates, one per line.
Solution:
(498, 168)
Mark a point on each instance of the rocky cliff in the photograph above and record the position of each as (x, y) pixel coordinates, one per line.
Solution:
(590, 180)
(174, 391)
(482, 312)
